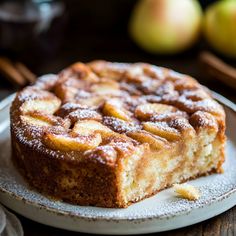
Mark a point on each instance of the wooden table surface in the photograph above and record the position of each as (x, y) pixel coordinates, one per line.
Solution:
(116, 49)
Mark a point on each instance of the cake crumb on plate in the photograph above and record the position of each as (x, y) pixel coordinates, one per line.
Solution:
(187, 191)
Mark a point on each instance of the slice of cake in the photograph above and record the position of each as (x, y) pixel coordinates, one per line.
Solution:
(110, 134)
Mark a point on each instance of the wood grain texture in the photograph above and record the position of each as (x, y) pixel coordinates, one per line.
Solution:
(222, 225)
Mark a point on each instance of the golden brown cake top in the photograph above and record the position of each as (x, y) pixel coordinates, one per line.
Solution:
(103, 110)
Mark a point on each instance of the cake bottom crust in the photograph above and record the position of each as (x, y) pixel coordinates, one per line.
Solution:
(90, 183)
(103, 202)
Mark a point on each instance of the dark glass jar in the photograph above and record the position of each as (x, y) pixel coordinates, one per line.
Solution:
(31, 29)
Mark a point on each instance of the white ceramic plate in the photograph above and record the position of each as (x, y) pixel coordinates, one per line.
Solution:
(161, 212)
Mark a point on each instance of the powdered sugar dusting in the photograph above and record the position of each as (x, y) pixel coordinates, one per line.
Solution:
(104, 154)
(35, 136)
(214, 188)
(73, 106)
(140, 79)
(180, 123)
(46, 81)
(119, 125)
(82, 114)
(137, 84)
(163, 205)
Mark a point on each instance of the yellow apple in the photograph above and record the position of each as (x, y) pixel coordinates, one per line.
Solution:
(166, 26)
(220, 27)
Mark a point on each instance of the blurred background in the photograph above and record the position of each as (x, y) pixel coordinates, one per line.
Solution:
(48, 35)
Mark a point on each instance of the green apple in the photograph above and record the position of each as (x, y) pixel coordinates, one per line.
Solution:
(166, 26)
(220, 27)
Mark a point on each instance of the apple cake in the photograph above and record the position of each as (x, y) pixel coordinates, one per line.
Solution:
(111, 134)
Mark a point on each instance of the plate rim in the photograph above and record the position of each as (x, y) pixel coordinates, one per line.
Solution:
(220, 98)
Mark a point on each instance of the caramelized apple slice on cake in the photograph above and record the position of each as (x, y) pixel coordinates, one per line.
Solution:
(154, 141)
(66, 142)
(88, 127)
(47, 104)
(114, 107)
(110, 134)
(147, 110)
(40, 119)
(163, 130)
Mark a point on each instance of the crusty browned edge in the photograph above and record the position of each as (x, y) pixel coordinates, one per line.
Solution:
(100, 189)
(96, 182)
(222, 137)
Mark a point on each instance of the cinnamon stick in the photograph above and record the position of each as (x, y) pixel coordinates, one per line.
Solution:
(11, 73)
(28, 75)
(218, 69)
